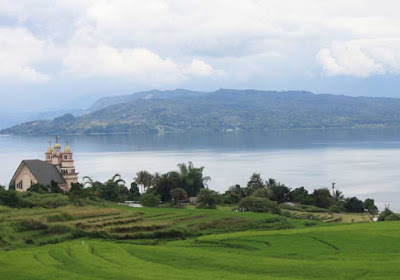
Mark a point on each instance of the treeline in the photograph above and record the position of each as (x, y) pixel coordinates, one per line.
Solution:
(333, 200)
(188, 184)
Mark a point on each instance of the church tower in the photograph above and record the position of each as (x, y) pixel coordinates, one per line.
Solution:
(63, 161)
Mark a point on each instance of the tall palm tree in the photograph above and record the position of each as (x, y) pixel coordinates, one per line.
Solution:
(87, 181)
(144, 179)
(116, 179)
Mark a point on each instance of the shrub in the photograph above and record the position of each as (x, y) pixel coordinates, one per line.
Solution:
(334, 209)
(9, 198)
(259, 204)
(261, 193)
(150, 200)
(43, 200)
(385, 213)
(33, 224)
(207, 199)
(393, 217)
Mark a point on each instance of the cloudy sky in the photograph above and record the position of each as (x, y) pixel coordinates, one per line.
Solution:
(56, 54)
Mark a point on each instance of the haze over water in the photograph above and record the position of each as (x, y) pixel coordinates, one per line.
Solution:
(362, 162)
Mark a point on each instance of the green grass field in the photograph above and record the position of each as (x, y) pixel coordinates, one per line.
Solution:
(220, 244)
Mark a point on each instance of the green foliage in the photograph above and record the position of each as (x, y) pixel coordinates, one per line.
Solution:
(207, 199)
(354, 205)
(150, 200)
(255, 183)
(385, 214)
(259, 204)
(134, 193)
(300, 195)
(9, 198)
(38, 188)
(322, 198)
(369, 205)
(233, 195)
(31, 199)
(178, 195)
(166, 183)
(278, 192)
(393, 217)
(192, 178)
(262, 192)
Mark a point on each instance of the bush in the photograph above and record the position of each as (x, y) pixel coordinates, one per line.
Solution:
(207, 199)
(334, 209)
(261, 193)
(385, 214)
(9, 198)
(393, 217)
(259, 204)
(150, 200)
(33, 224)
(43, 200)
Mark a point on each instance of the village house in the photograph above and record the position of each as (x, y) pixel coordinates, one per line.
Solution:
(58, 166)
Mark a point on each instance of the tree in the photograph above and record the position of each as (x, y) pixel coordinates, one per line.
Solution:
(259, 204)
(263, 192)
(300, 195)
(233, 195)
(354, 205)
(166, 183)
(178, 195)
(385, 214)
(144, 179)
(278, 192)
(150, 200)
(207, 199)
(38, 188)
(134, 193)
(192, 178)
(322, 198)
(115, 189)
(255, 183)
(369, 205)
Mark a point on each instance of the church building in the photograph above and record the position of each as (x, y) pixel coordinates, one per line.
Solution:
(58, 166)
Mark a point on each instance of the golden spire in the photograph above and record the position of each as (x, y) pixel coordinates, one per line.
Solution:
(67, 149)
(57, 145)
(49, 149)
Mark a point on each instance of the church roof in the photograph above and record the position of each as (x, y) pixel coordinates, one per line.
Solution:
(44, 172)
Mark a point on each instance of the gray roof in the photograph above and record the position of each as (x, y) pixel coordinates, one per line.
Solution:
(44, 172)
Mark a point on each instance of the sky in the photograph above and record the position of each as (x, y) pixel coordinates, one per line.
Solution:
(64, 54)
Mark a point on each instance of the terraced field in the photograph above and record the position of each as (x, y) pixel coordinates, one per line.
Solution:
(355, 251)
(29, 227)
(125, 243)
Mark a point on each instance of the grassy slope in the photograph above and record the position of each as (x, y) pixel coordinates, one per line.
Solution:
(356, 251)
(340, 251)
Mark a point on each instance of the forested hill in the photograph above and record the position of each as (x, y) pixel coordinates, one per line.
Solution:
(222, 110)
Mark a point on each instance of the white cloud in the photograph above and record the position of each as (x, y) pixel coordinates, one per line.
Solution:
(154, 40)
(136, 64)
(199, 67)
(19, 50)
(140, 65)
(361, 58)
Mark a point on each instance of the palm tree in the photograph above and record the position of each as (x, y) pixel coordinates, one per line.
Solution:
(116, 179)
(144, 179)
(87, 181)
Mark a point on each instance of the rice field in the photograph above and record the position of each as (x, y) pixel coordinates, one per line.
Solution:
(146, 243)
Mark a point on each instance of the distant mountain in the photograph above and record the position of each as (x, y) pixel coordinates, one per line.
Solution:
(222, 110)
(8, 119)
(151, 94)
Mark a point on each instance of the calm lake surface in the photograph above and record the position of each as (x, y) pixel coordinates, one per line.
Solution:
(362, 162)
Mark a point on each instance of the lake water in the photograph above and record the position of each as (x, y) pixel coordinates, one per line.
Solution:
(362, 162)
